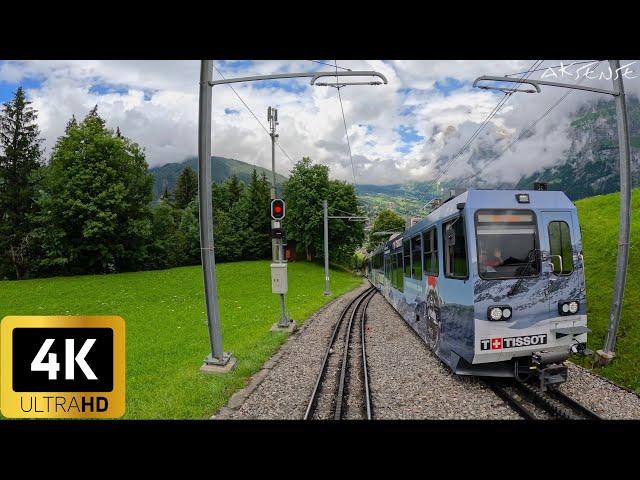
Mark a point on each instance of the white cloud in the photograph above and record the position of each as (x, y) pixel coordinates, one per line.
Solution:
(156, 104)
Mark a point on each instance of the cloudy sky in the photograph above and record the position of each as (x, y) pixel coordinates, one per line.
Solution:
(398, 132)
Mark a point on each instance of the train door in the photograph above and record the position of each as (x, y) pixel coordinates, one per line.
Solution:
(558, 239)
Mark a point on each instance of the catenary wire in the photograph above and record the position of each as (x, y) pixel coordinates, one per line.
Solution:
(330, 65)
(254, 115)
(346, 132)
(491, 114)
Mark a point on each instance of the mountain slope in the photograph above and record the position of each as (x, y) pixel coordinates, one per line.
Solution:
(592, 161)
(403, 199)
(599, 223)
(221, 169)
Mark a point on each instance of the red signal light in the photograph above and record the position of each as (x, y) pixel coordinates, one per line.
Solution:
(277, 209)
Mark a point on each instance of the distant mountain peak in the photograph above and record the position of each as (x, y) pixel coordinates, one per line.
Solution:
(221, 169)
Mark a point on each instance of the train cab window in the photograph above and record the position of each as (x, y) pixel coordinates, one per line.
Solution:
(560, 248)
(416, 257)
(406, 246)
(455, 249)
(430, 242)
(507, 244)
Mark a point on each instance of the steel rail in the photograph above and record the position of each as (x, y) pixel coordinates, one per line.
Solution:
(514, 402)
(543, 401)
(323, 368)
(365, 369)
(345, 356)
(564, 398)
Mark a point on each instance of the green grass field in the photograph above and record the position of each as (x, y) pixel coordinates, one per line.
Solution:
(599, 222)
(166, 332)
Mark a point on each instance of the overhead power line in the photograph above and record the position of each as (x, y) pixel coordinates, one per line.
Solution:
(535, 122)
(491, 114)
(254, 115)
(346, 132)
(555, 66)
(330, 65)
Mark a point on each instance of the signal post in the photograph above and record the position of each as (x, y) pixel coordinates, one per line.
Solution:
(279, 278)
(218, 360)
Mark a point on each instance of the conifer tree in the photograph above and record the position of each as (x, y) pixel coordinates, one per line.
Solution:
(186, 188)
(20, 154)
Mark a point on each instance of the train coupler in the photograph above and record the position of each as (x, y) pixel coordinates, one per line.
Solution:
(550, 368)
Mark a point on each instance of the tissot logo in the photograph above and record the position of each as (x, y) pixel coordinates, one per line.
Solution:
(498, 343)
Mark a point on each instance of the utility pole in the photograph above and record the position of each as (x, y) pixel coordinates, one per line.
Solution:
(218, 360)
(277, 249)
(272, 118)
(607, 353)
(326, 239)
(625, 216)
(325, 208)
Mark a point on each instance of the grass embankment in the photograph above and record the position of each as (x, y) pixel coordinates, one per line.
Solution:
(166, 331)
(599, 219)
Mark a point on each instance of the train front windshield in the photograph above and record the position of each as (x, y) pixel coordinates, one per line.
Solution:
(507, 244)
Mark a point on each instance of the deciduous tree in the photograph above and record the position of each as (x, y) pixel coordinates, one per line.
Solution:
(386, 221)
(95, 205)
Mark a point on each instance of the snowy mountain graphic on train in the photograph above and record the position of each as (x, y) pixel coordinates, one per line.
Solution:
(493, 282)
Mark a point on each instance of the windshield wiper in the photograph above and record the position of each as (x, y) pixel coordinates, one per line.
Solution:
(532, 256)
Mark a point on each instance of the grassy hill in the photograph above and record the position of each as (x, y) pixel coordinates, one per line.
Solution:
(221, 169)
(166, 331)
(599, 223)
(406, 198)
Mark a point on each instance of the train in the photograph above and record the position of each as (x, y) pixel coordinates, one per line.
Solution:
(493, 282)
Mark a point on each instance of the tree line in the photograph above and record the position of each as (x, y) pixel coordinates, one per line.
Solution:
(88, 207)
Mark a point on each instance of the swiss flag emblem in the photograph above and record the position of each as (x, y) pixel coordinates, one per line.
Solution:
(496, 343)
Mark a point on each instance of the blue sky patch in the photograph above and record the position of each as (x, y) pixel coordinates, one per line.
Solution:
(292, 86)
(103, 89)
(7, 89)
(232, 65)
(448, 85)
(408, 135)
(231, 111)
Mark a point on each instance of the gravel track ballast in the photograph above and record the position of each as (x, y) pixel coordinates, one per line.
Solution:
(407, 381)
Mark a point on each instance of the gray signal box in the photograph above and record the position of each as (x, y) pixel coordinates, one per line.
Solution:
(279, 278)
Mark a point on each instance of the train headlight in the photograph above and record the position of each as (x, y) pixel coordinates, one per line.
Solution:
(568, 307)
(573, 307)
(499, 312)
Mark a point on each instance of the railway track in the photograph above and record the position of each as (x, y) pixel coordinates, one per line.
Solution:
(341, 390)
(532, 404)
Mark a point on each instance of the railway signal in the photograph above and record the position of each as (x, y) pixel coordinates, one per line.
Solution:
(277, 209)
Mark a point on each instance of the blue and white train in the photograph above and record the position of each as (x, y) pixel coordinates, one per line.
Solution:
(493, 282)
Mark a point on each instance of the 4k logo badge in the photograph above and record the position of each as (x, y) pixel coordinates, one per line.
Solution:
(62, 367)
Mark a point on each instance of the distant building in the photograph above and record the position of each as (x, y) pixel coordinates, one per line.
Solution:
(290, 251)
